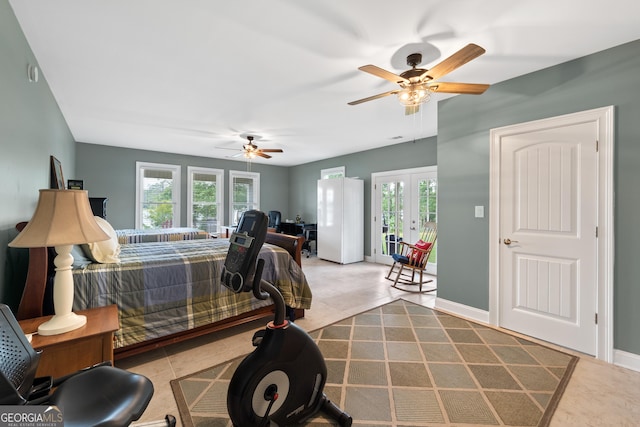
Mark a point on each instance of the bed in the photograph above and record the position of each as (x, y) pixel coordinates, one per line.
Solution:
(167, 292)
(133, 235)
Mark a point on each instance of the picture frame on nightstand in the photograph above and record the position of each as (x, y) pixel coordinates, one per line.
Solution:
(75, 184)
(57, 179)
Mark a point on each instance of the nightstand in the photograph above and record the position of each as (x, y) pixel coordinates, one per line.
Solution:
(66, 353)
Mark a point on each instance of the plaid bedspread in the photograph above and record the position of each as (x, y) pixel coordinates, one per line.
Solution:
(168, 287)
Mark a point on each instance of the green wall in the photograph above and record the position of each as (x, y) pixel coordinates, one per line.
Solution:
(111, 172)
(292, 190)
(303, 178)
(611, 77)
(31, 129)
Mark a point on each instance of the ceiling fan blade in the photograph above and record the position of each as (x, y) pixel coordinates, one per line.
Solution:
(261, 154)
(387, 75)
(371, 98)
(466, 88)
(271, 150)
(461, 57)
(236, 155)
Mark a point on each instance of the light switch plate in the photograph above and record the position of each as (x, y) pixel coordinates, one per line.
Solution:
(479, 211)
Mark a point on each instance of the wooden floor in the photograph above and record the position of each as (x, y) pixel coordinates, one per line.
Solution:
(599, 394)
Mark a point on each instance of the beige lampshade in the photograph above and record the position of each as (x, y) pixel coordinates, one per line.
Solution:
(62, 217)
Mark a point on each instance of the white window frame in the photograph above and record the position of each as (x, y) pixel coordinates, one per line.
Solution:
(339, 170)
(255, 176)
(175, 193)
(219, 173)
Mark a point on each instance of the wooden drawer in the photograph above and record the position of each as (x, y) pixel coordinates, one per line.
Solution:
(66, 353)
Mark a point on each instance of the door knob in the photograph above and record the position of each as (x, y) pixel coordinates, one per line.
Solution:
(508, 241)
(412, 228)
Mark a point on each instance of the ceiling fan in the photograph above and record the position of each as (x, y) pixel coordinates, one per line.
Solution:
(417, 84)
(251, 150)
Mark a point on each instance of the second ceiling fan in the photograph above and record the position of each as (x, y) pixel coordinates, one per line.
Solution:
(417, 84)
(251, 150)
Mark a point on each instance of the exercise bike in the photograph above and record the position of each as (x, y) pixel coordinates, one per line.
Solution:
(281, 382)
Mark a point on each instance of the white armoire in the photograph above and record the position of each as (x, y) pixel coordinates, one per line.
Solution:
(341, 220)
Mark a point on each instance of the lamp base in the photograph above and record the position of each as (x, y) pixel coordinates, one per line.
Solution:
(61, 323)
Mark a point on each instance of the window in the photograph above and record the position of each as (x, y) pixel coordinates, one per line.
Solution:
(205, 198)
(244, 193)
(157, 195)
(337, 172)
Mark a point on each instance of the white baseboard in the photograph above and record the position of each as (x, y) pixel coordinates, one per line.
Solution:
(626, 360)
(469, 312)
(621, 358)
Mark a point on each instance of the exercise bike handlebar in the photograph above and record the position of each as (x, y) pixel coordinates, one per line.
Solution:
(260, 285)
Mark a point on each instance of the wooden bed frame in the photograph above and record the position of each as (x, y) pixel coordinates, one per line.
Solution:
(32, 299)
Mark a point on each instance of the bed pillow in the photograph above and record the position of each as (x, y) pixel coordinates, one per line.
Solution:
(79, 257)
(107, 251)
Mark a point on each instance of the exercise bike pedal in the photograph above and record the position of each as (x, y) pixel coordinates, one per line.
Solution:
(257, 337)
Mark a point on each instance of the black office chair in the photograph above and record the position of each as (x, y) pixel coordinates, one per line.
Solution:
(309, 245)
(275, 218)
(97, 396)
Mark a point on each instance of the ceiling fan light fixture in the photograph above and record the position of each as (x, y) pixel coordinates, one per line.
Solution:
(414, 95)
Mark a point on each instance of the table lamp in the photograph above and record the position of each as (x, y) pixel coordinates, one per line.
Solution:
(63, 218)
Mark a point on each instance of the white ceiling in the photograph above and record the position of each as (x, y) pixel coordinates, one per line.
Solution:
(189, 76)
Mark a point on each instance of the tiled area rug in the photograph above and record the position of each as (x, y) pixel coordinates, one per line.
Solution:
(402, 364)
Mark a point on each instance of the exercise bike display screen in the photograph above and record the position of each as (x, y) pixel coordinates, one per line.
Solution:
(244, 245)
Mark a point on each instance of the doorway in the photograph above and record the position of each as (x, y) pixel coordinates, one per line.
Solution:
(552, 228)
(403, 202)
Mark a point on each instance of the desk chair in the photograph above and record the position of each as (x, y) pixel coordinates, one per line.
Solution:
(275, 218)
(97, 396)
(310, 238)
(410, 262)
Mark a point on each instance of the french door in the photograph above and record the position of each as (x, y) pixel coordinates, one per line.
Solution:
(404, 201)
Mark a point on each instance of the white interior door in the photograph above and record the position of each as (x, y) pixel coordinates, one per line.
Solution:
(548, 251)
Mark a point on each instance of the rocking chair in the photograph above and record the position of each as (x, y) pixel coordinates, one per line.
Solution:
(410, 262)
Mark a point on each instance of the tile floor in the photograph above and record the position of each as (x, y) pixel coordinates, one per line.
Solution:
(598, 394)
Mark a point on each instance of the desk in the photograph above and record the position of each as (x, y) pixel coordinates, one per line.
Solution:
(290, 228)
(295, 229)
(74, 350)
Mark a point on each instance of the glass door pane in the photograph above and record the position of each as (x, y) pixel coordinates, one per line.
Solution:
(426, 196)
(392, 214)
